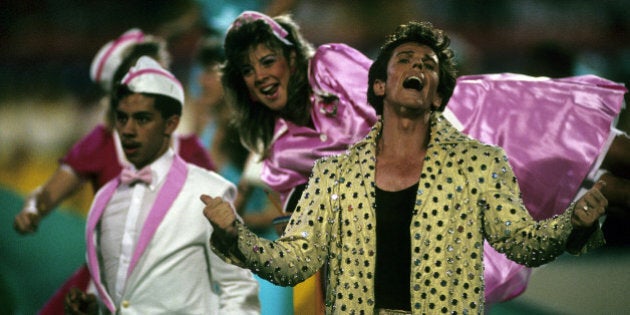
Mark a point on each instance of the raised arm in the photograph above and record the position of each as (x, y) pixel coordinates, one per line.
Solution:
(62, 184)
(511, 230)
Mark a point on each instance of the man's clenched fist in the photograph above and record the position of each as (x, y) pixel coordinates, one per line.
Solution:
(220, 214)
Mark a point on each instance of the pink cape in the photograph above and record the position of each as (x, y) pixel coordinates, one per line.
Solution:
(553, 131)
(340, 112)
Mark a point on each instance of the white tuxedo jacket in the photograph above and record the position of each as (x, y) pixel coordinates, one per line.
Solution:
(173, 270)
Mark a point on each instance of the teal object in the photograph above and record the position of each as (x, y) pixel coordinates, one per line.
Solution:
(33, 267)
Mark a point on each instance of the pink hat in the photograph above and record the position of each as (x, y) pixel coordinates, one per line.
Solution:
(251, 16)
(147, 76)
(110, 56)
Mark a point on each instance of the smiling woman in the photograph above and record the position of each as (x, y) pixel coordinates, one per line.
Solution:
(293, 104)
(266, 74)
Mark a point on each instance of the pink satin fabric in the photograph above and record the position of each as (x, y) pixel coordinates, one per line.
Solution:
(503, 278)
(338, 70)
(552, 130)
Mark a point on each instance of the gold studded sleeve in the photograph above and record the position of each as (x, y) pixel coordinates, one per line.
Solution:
(508, 226)
(301, 250)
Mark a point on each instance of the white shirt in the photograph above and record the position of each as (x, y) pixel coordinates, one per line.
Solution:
(122, 222)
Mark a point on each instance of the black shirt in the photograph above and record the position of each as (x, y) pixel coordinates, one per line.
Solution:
(393, 247)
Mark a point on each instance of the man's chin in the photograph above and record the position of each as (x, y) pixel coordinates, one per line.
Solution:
(132, 158)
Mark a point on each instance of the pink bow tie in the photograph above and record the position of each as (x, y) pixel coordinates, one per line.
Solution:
(129, 177)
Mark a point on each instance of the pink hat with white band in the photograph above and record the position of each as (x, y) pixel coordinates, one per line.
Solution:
(111, 55)
(147, 76)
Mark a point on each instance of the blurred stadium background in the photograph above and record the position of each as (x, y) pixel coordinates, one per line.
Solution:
(47, 102)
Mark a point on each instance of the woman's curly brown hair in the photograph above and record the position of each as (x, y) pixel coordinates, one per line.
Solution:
(255, 122)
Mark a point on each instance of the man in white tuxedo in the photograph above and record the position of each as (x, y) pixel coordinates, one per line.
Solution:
(147, 241)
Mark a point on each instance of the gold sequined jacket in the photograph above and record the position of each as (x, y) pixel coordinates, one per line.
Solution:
(467, 192)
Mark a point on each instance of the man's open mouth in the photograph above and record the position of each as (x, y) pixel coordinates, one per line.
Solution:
(413, 82)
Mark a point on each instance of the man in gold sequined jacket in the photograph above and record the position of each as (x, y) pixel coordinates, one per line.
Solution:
(462, 192)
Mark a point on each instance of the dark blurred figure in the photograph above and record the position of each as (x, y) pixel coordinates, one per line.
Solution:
(550, 59)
